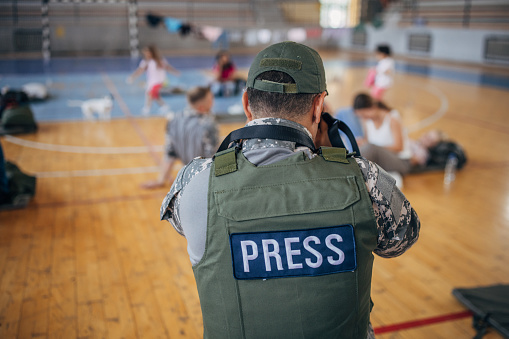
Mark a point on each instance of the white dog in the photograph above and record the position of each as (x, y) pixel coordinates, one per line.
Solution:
(101, 106)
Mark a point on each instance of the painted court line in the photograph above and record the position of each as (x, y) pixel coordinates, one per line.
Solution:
(444, 106)
(83, 149)
(98, 172)
(54, 204)
(80, 149)
(422, 322)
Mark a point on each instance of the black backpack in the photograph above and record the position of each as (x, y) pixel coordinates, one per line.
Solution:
(13, 97)
(439, 154)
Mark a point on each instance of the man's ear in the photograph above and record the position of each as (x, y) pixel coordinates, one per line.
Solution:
(318, 107)
(245, 105)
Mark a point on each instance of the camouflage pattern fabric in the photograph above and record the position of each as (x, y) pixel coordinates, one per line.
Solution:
(169, 207)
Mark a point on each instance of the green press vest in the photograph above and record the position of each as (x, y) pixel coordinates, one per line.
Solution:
(293, 194)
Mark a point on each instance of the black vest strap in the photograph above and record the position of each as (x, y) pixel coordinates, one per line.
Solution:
(276, 132)
(335, 126)
(285, 133)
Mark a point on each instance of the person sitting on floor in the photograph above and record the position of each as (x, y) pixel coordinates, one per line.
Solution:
(386, 141)
(226, 82)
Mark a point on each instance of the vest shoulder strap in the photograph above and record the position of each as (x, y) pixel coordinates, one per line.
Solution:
(225, 161)
(334, 154)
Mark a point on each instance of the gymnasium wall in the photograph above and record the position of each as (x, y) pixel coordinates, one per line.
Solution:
(87, 28)
(104, 27)
(453, 44)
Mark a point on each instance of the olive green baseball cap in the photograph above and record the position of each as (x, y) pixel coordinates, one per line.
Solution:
(300, 62)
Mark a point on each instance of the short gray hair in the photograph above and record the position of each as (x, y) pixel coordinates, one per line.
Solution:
(289, 106)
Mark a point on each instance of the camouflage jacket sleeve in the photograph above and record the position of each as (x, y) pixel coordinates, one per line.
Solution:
(397, 222)
(169, 208)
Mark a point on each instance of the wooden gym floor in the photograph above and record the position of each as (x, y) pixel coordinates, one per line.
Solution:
(89, 257)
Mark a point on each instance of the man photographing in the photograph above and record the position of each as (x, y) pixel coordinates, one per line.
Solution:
(281, 230)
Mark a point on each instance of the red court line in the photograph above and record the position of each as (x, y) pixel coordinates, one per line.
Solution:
(422, 322)
(113, 90)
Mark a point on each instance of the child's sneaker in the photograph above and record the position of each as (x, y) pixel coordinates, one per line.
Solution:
(145, 111)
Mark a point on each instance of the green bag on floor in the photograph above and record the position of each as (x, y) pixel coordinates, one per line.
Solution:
(21, 186)
(18, 119)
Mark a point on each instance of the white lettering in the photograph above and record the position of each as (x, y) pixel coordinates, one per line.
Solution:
(318, 255)
(290, 253)
(246, 257)
(274, 253)
(341, 254)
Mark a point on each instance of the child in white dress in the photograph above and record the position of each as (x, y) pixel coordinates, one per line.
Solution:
(155, 66)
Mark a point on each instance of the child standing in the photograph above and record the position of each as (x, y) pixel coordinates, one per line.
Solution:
(155, 66)
(380, 79)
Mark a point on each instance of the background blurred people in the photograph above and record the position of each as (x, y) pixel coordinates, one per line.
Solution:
(381, 78)
(155, 66)
(226, 82)
(191, 134)
(386, 141)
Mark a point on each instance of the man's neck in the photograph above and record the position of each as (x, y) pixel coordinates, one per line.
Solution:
(280, 121)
